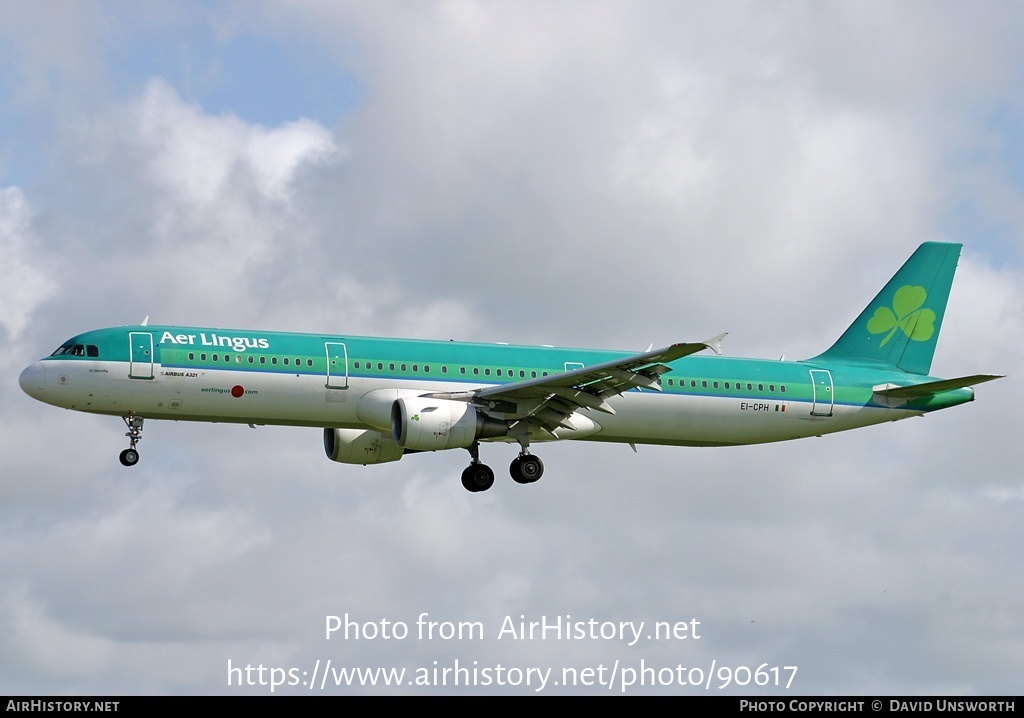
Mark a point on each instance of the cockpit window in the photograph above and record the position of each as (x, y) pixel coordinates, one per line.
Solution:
(77, 350)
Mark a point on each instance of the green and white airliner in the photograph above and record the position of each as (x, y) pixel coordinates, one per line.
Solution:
(378, 399)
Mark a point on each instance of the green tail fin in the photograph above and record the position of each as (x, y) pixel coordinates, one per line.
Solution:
(901, 325)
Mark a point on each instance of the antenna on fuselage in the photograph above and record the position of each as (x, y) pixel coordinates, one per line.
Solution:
(145, 322)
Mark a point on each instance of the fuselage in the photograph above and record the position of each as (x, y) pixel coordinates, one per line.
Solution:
(275, 378)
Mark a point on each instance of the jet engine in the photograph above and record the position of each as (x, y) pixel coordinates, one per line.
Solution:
(356, 446)
(425, 424)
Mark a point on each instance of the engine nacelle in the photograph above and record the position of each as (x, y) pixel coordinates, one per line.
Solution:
(374, 407)
(356, 446)
(425, 424)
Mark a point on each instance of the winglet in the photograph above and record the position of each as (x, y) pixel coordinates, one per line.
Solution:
(715, 343)
(145, 322)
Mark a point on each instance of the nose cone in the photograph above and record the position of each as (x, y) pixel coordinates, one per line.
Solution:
(33, 379)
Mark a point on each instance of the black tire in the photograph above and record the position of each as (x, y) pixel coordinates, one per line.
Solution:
(531, 468)
(515, 470)
(129, 457)
(477, 477)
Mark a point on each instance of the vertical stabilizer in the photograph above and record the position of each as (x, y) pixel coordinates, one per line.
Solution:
(900, 327)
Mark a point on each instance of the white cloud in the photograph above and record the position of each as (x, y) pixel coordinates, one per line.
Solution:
(44, 645)
(527, 172)
(203, 160)
(24, 285)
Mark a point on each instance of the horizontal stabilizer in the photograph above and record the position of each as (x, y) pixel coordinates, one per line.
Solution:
(929, 388)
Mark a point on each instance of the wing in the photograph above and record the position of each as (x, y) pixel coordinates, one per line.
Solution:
(550, 401)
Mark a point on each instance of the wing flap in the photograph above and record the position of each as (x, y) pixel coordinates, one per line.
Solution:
(583, 398)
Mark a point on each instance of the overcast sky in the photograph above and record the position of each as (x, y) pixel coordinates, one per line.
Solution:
(605, 174)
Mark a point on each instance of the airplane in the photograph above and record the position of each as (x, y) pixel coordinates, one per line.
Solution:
(378, 399)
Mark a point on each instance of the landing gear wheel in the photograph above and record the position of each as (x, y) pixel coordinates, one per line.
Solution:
(477, 477)
(515, 470)
(526, 469)
(130, 457)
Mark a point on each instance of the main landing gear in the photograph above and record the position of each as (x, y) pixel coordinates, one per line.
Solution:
(130, 456)
(524, 469)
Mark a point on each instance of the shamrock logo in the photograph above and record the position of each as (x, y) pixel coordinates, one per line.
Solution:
(906, 314)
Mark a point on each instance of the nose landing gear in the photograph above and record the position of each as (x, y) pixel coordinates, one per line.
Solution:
(130, 456)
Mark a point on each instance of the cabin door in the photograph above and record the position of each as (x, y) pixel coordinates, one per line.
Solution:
(337, 365)
(140, 355)
(821, 383)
